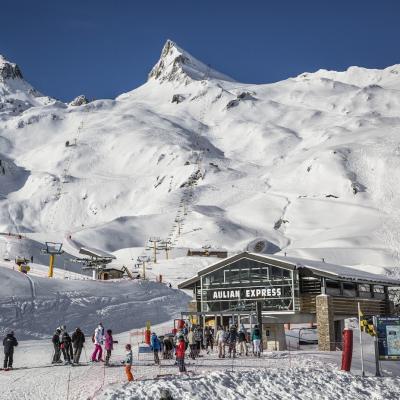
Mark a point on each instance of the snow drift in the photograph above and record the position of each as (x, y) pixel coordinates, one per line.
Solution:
(33, 307)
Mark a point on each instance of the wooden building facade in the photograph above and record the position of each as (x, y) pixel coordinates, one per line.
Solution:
(287, 290)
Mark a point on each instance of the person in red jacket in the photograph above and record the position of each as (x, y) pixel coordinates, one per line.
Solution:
(180, 354)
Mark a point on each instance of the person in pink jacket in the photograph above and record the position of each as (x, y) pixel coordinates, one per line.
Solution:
(108, 345)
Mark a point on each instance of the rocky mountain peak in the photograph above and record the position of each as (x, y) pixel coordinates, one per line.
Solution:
(9, 70)
(79, 101)
(176, 64)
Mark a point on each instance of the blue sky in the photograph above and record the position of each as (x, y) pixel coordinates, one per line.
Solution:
(104, 48)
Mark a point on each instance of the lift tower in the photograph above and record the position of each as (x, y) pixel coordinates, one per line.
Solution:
(52, 249)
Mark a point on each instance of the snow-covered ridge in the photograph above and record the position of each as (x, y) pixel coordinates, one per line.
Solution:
(361, 77)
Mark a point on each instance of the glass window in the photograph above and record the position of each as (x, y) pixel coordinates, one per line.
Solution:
(379, 289)
(244, 275)
(332, 287)
(232, 276)
(349, 289)
(364, 287)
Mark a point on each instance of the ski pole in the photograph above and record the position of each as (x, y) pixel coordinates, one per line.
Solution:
(84, 348)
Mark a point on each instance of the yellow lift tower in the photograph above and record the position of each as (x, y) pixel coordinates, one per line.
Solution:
(52, 249)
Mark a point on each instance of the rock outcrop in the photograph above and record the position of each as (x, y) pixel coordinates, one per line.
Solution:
(79, 101)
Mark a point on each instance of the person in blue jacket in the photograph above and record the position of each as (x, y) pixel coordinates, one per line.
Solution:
(256, 339)
(155, 345)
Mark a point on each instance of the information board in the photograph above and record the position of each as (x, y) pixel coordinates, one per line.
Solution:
(388, 331)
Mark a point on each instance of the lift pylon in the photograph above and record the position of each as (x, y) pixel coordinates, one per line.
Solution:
(52, 249)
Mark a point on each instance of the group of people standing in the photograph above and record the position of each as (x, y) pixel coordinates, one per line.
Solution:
(229, 340)
(70, 346)
(194, 339)
(236, 341)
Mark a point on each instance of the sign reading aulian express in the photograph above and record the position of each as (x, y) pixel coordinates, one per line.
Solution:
(253, 293)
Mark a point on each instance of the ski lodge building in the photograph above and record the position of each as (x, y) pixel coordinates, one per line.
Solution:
(277, 290)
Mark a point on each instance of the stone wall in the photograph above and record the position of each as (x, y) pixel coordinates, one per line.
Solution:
(325, 322)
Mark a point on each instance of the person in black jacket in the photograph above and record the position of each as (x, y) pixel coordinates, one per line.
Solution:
(57, 347)
(66, 347)
(78, 339)
(232, 339)
(9, 343)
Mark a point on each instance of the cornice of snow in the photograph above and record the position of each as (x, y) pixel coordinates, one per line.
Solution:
(176, 64)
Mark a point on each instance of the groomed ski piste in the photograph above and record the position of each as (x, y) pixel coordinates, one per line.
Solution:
(307, 166)
(285, 375)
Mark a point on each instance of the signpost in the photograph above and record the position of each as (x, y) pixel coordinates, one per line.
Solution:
(388, 331)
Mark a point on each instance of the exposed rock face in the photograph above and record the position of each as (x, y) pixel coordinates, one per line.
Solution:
(9, 70)
(176, 64)
(240, 97)
(177, 98)
(79, 101)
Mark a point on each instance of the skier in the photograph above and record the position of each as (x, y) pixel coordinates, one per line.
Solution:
(192, 344)
(56, 343)
(256, 339)
(201, 333)
(198, 338)
(128, 362)
(242, 341)
(66, 347)
(78, 339)
(232, 339)
(180, 354)
(9, 342)
(221, 339)
(209, 338)
(108, 345)
(168, 348)
(97, 339)
(155, 346)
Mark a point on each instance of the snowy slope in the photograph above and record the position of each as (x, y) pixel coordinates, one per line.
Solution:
(33, 306)
(307, 165)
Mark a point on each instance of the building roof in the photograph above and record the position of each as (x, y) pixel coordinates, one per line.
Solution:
(108, 269)
(205, 249)
(318, 268)
(96, 253)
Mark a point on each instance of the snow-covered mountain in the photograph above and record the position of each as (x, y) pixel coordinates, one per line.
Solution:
(308, 165)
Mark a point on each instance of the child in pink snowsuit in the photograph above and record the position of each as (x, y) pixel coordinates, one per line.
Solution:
(108, 345)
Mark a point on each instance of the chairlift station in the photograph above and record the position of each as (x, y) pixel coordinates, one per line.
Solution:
(275, 290)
